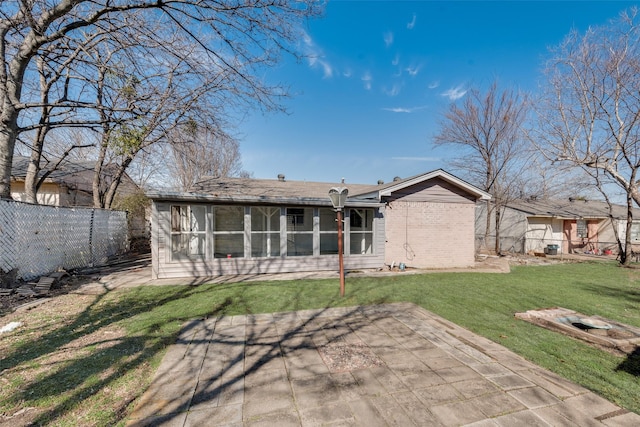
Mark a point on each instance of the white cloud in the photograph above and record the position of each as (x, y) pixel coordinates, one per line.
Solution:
(398, 110)
(315, 56)
(317, 62)
(327, 69)
(367, 79)
(393, 91)
(413, 71)
(388, 38)
(306, 38)
(412, 24)
(396, 60)
(403, 109)
(434, 84)
(418, 159)
(455, 93)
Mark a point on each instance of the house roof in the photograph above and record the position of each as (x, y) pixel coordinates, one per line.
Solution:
(569, 208)
(76, 174)
(61, 174)
(249, 190)
(301, 192)
(386, 189)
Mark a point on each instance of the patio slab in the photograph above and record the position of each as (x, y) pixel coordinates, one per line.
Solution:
(392, 364)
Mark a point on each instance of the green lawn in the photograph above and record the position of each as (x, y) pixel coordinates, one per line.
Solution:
(119, 338)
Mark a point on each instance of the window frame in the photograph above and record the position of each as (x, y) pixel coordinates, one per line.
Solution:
(269, 233)
(582, 228)
(200, 233)
(354, 215)
(293, 233)
(214, 233)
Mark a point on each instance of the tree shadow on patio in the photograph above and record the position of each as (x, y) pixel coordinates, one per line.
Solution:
(221, 367)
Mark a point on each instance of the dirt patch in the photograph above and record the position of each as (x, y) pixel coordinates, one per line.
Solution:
(346, 357)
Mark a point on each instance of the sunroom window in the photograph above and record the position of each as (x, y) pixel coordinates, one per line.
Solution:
(188, 231)
(228, 232)
(328, 232)
(265, 231)
(361, 231)
(299, 231)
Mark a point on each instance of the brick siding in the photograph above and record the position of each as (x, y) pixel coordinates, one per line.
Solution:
(430, 235)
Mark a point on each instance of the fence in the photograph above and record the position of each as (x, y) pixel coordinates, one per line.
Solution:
(522, 245)
(36, 239)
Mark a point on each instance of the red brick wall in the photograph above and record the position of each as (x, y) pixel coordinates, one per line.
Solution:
(430, 235)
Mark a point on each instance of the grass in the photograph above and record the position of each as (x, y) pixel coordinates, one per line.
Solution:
(84, 359)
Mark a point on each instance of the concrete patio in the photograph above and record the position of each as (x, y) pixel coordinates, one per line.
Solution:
(393, 364)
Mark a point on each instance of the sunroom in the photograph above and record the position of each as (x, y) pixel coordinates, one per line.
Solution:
(241, 230)
(202, 232)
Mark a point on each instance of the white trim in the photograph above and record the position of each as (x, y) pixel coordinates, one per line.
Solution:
(482, 195)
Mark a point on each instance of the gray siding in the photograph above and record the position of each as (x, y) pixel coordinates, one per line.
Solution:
(166, 267)
(435, 190)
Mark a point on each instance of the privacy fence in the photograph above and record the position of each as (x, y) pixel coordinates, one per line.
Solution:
(36, 240)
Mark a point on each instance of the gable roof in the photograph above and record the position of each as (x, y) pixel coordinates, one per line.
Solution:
(569, 208)
(282, 191)
(386, 189)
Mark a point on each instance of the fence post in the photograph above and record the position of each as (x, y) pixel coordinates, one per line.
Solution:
(91, 229)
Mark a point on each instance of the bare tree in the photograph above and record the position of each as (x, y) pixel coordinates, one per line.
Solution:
(236, 38)
(589, 114)
(202, 152)
(488, 127)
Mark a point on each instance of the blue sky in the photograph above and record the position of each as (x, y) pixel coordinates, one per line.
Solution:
(379, 75)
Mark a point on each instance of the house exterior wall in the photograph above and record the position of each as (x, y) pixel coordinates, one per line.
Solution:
(49, 193)
(53, 194)
(164, 265)
(430, 225)
(596, 230)
(543, 231)
(513, 230)
(430, 235)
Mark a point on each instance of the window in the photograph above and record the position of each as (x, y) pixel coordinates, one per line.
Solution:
(228, 231)
(265, 231)
(328, 232)
(361, 231)
(635, 231)
(188, 231)
(581, 226)
(299, 231)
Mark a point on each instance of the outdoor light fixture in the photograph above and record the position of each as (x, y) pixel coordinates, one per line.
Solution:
(338, 197)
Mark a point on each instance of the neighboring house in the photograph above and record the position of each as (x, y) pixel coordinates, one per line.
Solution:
(252, 226)
(574, 225)
(71, 184)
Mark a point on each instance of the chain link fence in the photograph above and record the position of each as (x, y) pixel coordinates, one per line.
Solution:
(36, 239)
(523, 245)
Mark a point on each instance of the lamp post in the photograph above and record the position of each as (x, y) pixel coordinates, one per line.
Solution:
(338, 196)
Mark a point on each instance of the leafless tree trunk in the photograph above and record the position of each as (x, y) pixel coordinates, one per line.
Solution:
(488, 129)
(233, 40)
(589, 115)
